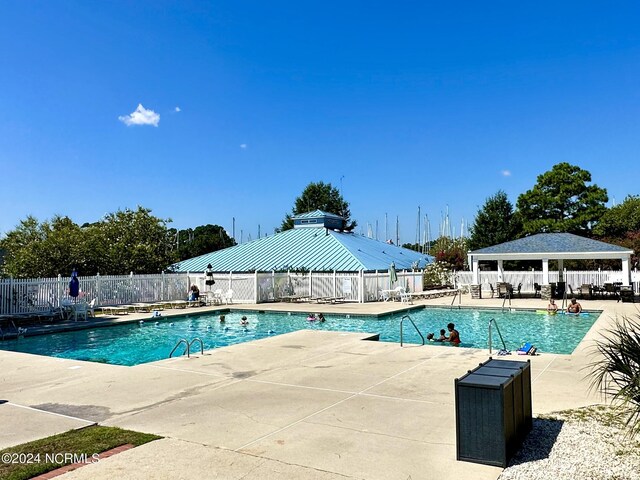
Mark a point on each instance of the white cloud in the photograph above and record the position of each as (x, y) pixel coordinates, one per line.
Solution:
(243, 146)
(506, 173)
(141, 116)
(177, 109)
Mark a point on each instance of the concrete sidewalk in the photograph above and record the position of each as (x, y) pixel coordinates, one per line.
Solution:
(309, 404)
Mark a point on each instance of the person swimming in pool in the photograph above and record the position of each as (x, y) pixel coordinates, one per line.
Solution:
(244, 321)
(321, 318)
(222, 319)
(454, 336)
(574, 307)
(442, 337)
(552, 308)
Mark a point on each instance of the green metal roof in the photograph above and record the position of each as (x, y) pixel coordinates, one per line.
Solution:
(316, 249)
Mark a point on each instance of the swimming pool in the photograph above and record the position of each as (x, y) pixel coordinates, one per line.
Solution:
(135, 343)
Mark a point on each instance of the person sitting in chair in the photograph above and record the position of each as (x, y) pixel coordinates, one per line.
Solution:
(194, 293)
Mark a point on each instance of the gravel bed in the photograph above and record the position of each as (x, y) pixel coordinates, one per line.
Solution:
(582, 444)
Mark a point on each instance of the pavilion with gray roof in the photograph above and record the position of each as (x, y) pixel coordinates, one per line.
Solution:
(550, 246)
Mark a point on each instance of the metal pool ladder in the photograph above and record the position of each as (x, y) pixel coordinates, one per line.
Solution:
(507, 296)
(407, 317)
(493, 322)
(457, 295)
(188, 346)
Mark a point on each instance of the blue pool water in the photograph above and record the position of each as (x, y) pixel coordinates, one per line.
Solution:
(135, 343)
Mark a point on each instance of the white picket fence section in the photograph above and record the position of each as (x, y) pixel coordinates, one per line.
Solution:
(575, 278)
(21, 296)
(39, 295)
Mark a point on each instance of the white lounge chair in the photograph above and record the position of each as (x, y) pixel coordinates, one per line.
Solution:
(228, 297)
(91, 307)
(405, 296)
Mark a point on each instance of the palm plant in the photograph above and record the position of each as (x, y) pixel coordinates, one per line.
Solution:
(617, 371)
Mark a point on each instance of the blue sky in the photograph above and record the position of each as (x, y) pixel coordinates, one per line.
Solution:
(406, 104)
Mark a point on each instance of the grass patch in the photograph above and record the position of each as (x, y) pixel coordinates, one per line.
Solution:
(41, 456)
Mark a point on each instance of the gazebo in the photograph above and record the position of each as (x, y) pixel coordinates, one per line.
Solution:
(549, 246)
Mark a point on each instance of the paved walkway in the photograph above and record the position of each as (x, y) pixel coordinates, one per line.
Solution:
(309, 404)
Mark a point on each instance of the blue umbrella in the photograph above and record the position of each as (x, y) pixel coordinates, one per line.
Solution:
(74, 285)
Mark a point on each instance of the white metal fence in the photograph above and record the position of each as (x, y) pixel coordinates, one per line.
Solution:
(41, 294)
(574, 278)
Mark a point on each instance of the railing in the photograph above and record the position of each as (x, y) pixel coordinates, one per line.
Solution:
(459, 296)
(201, 345)
(506, 296)
(180, 342)
(188, 346)
(407, 317)
(529, 278)
(34, 295)
(493, 322)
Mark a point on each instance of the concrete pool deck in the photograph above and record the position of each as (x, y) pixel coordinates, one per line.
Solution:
(309, 404)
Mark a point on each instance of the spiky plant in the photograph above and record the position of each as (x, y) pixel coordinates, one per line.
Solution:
(617, 371)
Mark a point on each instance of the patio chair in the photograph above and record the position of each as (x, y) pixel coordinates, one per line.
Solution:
(80, 310)
(228, 297)
(55, 313)
(91, 308)
(405, 296)
(503, 290)
(570, 293)
(537, 290)
(585, 290)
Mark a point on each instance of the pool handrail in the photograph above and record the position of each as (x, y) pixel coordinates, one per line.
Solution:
(180, 342)
(459, 296)
(491, 322)
(404, 317)
(197, 339)
(506, 296)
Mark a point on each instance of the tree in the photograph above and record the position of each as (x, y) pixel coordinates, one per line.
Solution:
(561, 201)
(122, 242)
(201, 240)
(620, 220)
(320, 196)
(495, 223)
(620, 225)
(44, 249)
(133, 241)
(451, 252)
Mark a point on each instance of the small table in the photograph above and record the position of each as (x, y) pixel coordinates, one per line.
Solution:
(389, 295)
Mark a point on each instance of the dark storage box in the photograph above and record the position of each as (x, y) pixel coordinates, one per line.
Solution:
(485, 424)
(493, 411)
(525, 373)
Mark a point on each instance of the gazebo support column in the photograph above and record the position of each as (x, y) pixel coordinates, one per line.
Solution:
(545, 291)
(500, 271)
(560, 270)
(476, 288)
(625, 271)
